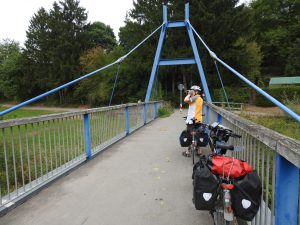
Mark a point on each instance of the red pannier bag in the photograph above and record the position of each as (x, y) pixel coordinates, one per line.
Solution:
(228, 166)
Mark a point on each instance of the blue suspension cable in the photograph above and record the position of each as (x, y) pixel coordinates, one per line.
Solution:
(113, 90)
(222, 85)
(2, 113)
(243, 78)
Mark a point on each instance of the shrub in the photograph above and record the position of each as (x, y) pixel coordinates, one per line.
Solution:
(166, 110)
(284, 94)
(240, 95)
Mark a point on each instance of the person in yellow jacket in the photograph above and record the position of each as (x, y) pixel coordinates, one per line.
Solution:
(195, 102)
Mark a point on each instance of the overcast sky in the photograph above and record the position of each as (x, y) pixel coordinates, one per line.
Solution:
(15, 14)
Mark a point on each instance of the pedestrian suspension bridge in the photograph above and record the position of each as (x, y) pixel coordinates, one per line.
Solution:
(52, 164)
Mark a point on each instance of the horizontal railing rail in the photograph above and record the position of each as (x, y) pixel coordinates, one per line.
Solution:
(275, 157)
(35, 151)
(231, 106)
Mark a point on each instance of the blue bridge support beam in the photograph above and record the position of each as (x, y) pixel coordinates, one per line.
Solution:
(127, 121)
(87, 136)
(176, 24)
(156, 62)
(287, 192)
(174, 62)
(196, 60)
(199, 65)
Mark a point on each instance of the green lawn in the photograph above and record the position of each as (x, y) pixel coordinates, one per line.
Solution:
(33, 150)
(283, 125)
(22, 113)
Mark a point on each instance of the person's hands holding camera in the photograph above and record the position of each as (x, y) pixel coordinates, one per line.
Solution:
(191, 93)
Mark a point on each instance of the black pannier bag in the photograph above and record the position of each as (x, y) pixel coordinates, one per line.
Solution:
(206, 187)
(202, 139)
(246, 196)
(185, 139)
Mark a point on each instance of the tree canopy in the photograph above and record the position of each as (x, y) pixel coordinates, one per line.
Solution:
(260, 40)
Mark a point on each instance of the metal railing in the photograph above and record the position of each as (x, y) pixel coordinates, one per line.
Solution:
(275, 157)
(233, 105)
(35, 151)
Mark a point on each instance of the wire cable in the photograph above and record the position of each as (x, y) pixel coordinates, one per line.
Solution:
(121, 59)
(248, 82)
(218, 72)
(113, 90)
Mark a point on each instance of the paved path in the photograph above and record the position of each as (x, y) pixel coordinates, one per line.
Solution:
(141, 180)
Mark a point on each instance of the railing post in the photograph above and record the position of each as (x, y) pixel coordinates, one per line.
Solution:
(145, 113)
(87, 136)
(286, 192)
(155, 110)
(207, 114)
(219, 118)
(127, 124)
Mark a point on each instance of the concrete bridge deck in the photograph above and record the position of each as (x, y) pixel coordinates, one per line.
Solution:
(141, 180)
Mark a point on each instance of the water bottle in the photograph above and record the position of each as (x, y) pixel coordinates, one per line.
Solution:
(228, 213)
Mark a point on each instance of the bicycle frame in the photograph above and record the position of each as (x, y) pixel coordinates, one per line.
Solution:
(223, 212)
(193, 146)
(224, 205)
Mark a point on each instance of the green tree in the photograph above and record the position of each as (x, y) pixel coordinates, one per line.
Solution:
(220, 23)
(249, 56)
(96, 90)
(293, 65)
(10, 69)
(55, 41)
(277, 25)
(37, 59)
(102, 35)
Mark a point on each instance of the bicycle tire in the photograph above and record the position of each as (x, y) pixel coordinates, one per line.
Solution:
(193, 155)
(218, 218)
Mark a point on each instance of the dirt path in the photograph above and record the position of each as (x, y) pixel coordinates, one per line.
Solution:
(264, 110)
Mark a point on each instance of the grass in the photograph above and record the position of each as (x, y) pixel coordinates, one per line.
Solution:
(284, 125)
(23, 113)
(165, 111)
(30, 151)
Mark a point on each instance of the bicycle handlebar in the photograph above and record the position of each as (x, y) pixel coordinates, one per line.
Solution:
(225, 146)
(235, 136)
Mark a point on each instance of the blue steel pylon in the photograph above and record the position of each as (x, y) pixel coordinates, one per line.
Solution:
(169, 62)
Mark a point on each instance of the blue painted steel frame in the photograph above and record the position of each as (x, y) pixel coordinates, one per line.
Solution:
(176, 24)
(78, 79)
(145, 113)
(87, 136)
(157, 61)
(127, 122)
(265, 94)
(286, 194)
(173, 62)
(54, 90)
(219, 119)
(155, 110)
(199, 65)
(207, 115)
(248, 82)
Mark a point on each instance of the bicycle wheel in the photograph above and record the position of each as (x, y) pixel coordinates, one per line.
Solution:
(193, 154)
(218, 218)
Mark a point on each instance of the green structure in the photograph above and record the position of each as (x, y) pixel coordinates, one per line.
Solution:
(279, 81)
